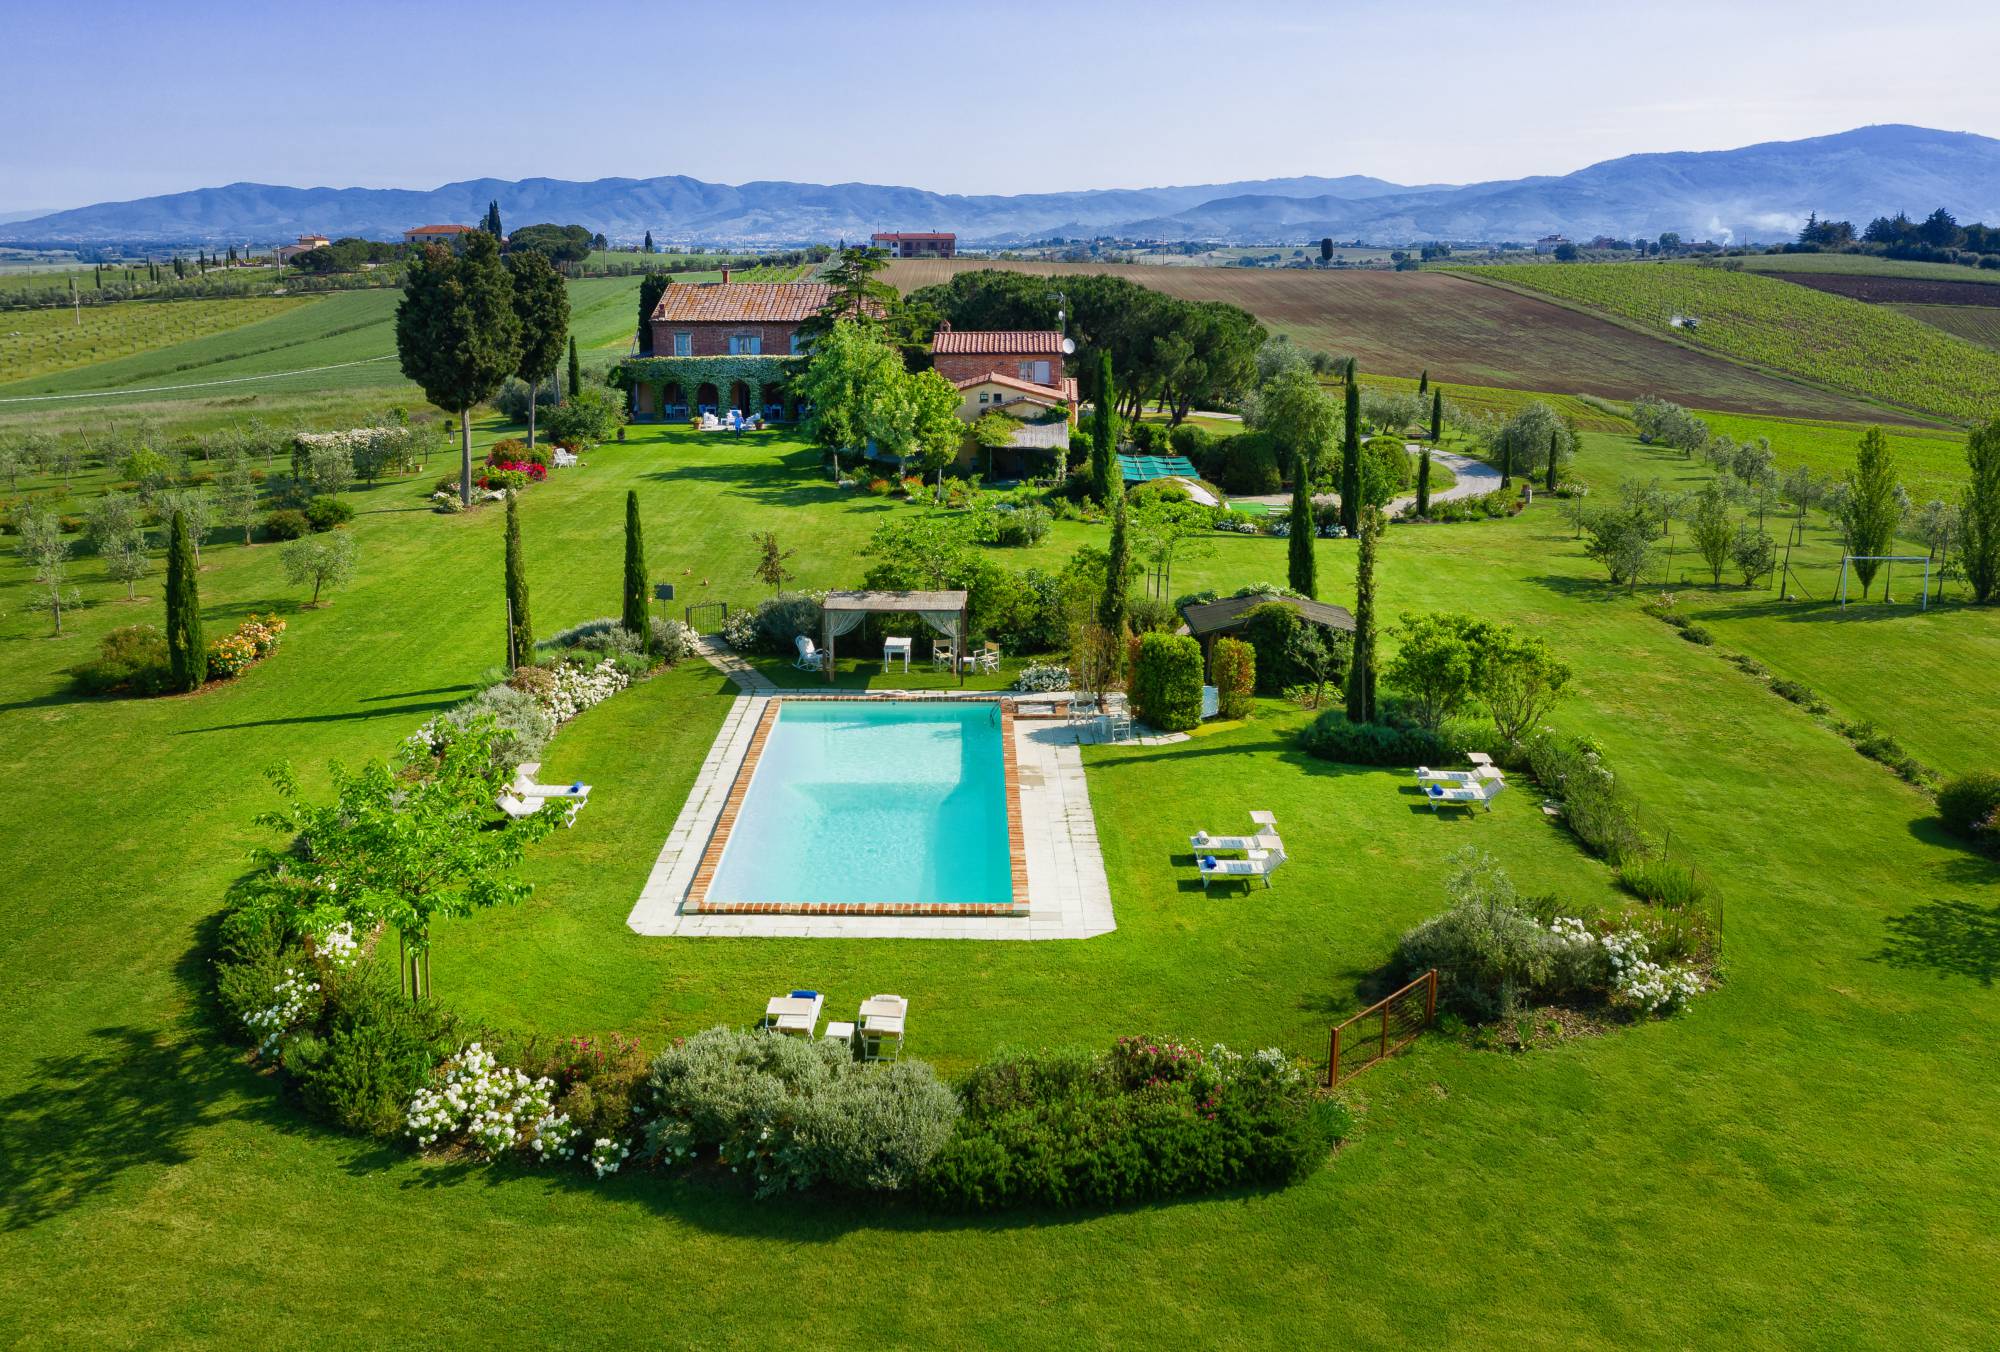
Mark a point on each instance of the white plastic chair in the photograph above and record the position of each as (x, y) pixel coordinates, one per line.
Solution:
(810, 658)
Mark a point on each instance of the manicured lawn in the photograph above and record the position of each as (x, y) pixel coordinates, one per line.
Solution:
(1804, 1157)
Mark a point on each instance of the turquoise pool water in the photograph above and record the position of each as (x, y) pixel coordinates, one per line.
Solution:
(873, 802)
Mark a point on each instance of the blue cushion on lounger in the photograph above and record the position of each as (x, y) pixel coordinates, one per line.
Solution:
(804, 995)
(1208, 861)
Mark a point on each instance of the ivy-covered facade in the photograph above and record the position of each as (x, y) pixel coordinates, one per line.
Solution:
(661, 389)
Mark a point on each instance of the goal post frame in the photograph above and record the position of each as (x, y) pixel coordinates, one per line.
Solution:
(1891, 560)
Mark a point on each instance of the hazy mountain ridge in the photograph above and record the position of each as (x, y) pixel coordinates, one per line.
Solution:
(1759, 192)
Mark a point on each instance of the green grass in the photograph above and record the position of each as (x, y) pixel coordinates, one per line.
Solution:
(41, 342)
(1808, 1150)
(1868, 351)
(1866, 265)
(1929, 464)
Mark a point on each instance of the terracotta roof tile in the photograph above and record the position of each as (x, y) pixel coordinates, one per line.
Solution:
(442, 230)
(1009, 382)
(997, 342)
(741, 302)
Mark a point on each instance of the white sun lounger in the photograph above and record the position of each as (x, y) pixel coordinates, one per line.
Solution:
(515, 806)
(1265, 837)
(1259, 864)
(526, 787)
(1463, 778)
(1482, 795)
(882, 1018)
(794, 1015)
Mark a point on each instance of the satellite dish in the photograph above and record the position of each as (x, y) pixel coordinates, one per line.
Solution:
(1069, 347)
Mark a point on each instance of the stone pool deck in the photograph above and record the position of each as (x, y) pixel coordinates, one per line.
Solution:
(1068, 895)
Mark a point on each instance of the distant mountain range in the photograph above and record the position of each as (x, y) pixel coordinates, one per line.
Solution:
(1760, 192)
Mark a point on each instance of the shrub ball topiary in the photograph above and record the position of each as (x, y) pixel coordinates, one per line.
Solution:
(286, 524)
(1968, 804)
(325, 512)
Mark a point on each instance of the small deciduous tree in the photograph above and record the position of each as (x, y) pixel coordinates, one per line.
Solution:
(406, 844)
(1621, 540)
(1979, 514)
(1433, 665)
(187, 653)
(1518, 677)
(46, 550)
(849, 362)
(771, 559)
(319, 561)
(1871, 512)
(236, 488)
(1711, 529)
(1753, 552)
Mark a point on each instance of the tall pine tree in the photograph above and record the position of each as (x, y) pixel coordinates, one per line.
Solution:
(541, 306)
(491, 225)
(1105, 480)
(1117, 573)
(187, 652)
(457, 333)
(1302, 565)
(1361, 673)
(520, 627)
(1350, 458)
(633, 613)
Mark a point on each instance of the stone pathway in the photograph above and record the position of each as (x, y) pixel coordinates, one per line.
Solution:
(724, 659)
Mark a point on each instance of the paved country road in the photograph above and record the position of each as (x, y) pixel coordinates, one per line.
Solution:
(1473, 479)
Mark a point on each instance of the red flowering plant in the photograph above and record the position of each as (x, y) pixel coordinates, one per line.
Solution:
(1142, 1061)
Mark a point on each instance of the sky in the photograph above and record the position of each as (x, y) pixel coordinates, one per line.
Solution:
(111, 101)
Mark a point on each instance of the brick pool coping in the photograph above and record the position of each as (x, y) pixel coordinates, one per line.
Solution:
(699, 903)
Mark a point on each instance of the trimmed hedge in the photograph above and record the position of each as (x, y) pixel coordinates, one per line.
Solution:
(1234, 675)
(1150, 1119)
(1392, 740)
(1166, 681)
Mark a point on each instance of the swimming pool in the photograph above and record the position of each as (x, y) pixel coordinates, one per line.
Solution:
(898, 806)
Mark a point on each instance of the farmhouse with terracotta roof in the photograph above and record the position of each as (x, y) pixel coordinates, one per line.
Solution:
(1016, 372)
(437, 234)
(719, 345)
(916, 244)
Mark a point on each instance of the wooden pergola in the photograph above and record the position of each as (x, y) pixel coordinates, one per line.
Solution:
(844, 611)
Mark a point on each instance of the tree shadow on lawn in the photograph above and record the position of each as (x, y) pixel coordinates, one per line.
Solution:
(423, 707)
(1601, 590)
(130, 1098)
(754, 479)
(1950, 938)
(1821, 612)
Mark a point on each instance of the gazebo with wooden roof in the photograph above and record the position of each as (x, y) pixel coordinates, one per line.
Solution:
(1209, 618)
(844, 611)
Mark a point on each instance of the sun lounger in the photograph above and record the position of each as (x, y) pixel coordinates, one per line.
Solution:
(1462, 778)
(526, 787)
(1480, 795)
(1265, 837)
(1259, 864)
(515, 806)
(882, 1018)
(794, 1015)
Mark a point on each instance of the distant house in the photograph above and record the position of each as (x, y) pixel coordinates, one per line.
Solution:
(1548, 244)
(916, 244)
(306, 244)
(720, 345)
(1016, 372)
(437, 234)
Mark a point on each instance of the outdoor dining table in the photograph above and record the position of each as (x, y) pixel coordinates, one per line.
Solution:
(893, 648)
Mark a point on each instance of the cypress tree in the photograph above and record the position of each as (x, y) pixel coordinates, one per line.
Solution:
(649, 241)
(575, 371)
(1105, 480)
(1361, 673)
(633, 616)
(1424, 482)
(520, 628)
(1111, 606)
(1555, 449)
(1424, 383)
(1302, 565)
(1979, 511)
(1506, 461)
(1437, 415)
(187, 653)
(1350, 461)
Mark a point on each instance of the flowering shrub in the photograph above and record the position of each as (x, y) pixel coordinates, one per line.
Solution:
(576, 689)
(1654, 987)
(1040, 677)
(495, 1109)
(256, 638)
(531, 471)
(293, 999)
(673, 641)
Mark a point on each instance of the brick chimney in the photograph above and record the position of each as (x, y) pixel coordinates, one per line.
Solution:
(725, 276)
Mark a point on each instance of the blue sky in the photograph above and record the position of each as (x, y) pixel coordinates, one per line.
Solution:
(110, 100)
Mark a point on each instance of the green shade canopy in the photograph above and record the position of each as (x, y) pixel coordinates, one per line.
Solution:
(1140, 468)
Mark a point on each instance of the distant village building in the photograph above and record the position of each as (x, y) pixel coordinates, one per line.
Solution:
(916, 245)
(1548, 244)
(437, 234)
(306, 244)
